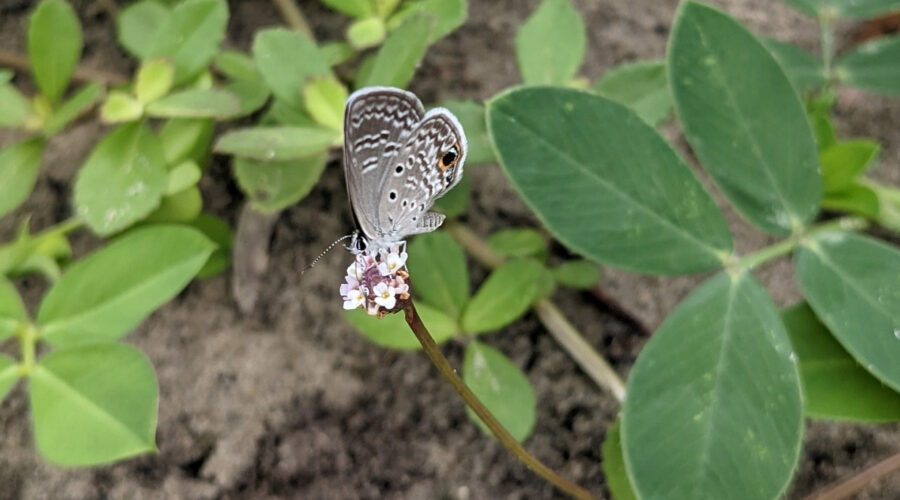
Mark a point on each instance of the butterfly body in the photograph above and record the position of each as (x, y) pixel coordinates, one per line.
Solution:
(398, 160)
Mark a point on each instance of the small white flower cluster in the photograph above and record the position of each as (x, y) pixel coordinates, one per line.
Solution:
(376, 280)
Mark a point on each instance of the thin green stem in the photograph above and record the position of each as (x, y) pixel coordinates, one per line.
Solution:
(64, 227)
(28, 336)
(449, 374)
(590, 361)
(294, 17)
(826, 33)
(787, 246)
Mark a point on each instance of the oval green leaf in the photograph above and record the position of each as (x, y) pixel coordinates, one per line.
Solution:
(594, 195)
(853, 284)
(191, 36)
(94, 404)
(398, 57)
(757, 146)
(844, 161)
(138, 25)
(504, 296)
(186, 139)
(392, 332)
(448, 15)
(714, 406)
(106, 295)
(183, 206)
(122, 180)
(120, 107)
(14, 107)
(275, 144)
(642, 86)
(12, 311)
(154, 79)
(54, 46)
(19, 166)
(873, 66)
(324, 98)
(272, 186)
(437, 269)
(286, 59)
(502, 388)
(550, 44)
(835, 386)
(522, 242)
(220, 233)
(352, 8)
(366, 33)
(614, 465)
(198, 103)
(579, 274)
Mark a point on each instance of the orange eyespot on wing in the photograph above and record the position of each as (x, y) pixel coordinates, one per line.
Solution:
(449, 159)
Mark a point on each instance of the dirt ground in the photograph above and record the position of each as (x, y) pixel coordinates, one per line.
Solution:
(290, 402)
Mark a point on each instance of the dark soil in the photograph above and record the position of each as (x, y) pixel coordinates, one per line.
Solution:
(290, 402)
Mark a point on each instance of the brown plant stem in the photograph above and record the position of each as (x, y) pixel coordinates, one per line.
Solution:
(294, 17)
(436, 357)
(588, 359)
(81, 74)
(853, 484)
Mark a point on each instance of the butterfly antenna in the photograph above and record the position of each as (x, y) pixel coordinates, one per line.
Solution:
(316, 260)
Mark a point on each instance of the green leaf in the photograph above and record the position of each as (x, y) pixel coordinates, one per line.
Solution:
(335, 53)
(106, 295)
(272, 186)
(392, 332)
(803, 69)
(855, 199)
(120, 107)
(277, 143)
(578, 274)
(324, 98)
(154, 80)
(14, 107)
(448, 15)
(12, 310)
(122, 180)
(396, 61)
(503, 389)
(843, 162)
(853, 284)
(550, 45)
(284, 114)
(191, 36)
(873, 66)
(352, 8)
(54, 47)
(220, 233)
(78, 104)
(835, 386)
(642, 86)
(714, 407)
(183, 206)
(614, 465)
(138, 26)
(196, 104)
(471, 116)
(9, 375)
(845, 8)
(19, 166)
(522, 242)
(182, 176)
(247, 84)
(757, 146)
(437, 266)
(94, 404)
(596, 196)
(454, 203)
(504, 296)
(286, 59)
(818, 110)
(366, 33)
(186, 139)
(251, 95)
(236, 65)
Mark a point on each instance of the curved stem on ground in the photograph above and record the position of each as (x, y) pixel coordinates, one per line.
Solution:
(294, 17)
(853, 484)
(436, 357)
(590, 361)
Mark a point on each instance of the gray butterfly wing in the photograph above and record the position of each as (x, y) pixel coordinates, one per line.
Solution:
(429, 163)
(377, 122)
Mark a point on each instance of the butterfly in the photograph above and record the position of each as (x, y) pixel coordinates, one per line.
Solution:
(398, 160)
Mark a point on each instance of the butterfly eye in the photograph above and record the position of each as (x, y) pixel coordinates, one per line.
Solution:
(450, 156)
